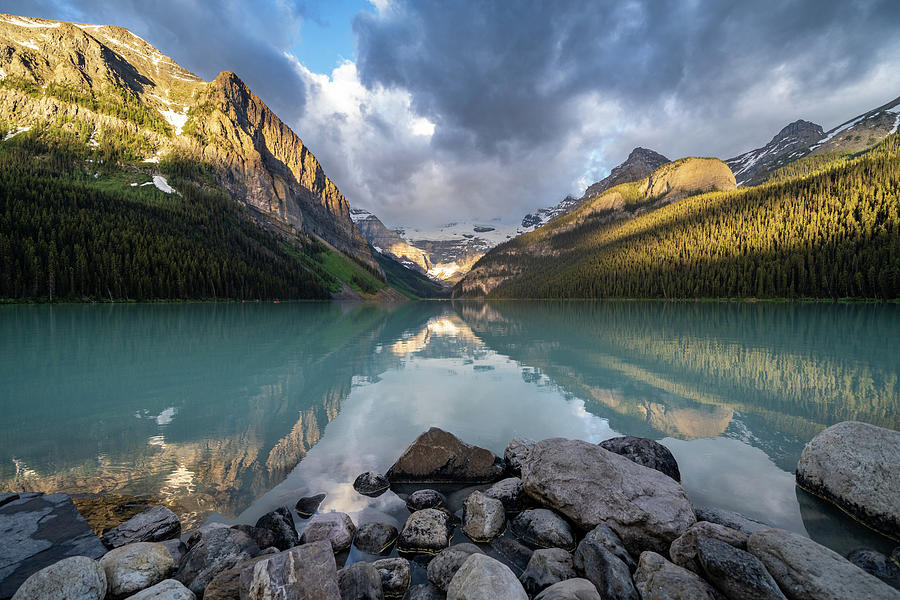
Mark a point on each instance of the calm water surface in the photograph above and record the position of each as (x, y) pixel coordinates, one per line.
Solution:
(229, 410)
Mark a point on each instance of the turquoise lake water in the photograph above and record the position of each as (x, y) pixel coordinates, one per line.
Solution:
(228, 410)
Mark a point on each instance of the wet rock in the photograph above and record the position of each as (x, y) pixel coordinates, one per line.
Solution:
(39, 530)
(177, 549)
(281, 523)
(375, 538)
(227, 584)
(337, 528)
(603, 560)
(683, 550)
(516, 451)
(544, 529)
(422, 499)
(659, 579)
(306, 572)
(425, 591)
(877, 564)
(308, 505)
(511, 493)
(426, 531)
(167, 589)
(371, 484)
(590, 485)
(439, 456)
(156, 524)
(133, 567)
(395, 576)
(444, 566)
(484, 518)
(263, 537)
(197, 534)
(219, 549)
(804, 569)
(645, 452)
(514, 553)
(571, 589)
(736, 573)
(546, 567)
(484, 578)
(73, 578)
(360, 581)
(854, 465)
(730, 519)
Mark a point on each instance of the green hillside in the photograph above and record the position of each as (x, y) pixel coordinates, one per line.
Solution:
(407, 281)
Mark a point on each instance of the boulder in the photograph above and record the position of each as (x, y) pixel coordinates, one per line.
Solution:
(515, 554)
(72, 578)
(804, 569)
(371, 484)
(167, 589)
(730, 519)
(516, 451)
(227, 584)
(645, 452)
(337, 528)
(37, 531)
(603, 560)
(439, 456)
(447, 562)
(543, 528)
(590, 485)
(133, 567)
(177, 549)
(484, 518)
(877, 564)
(306, 572)
(735, 573)
(197, 534)
(395, 576)
(484, 578)
(546, 567)
(156, 524)
(218, 549)
(375, 538)
(659, 579)
(683, 550)
(425, 531)
(360, 581)
(854, 465)
(263, 537)
(422, 499)
(571, 589)
(425, 591)
(281, 523)
(511, 493)
(308, 505)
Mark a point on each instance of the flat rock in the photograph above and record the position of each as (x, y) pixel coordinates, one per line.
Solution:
(804, 569)
(281, 523)
(659, 579)
(543, 528)
(177, 549)
(337, 528)
(395, 576)
(546, 567)
(645, 452)
(603, 560)
(484, 578)
(371, 484)
(516, 451)
(447, 562)
(591, 485)
(263, 537)
(854, 465)
(136, 566)
(360, 581)
(306, 572)
(683, 550)
(571, 589)
(308, 505)
(155, 524)
(511, 493)
(37, 531)
(167, 589)
(730, 519)
(877, 564)
(375, 538)
(735, 573)
(425, 591)
(514, 553)
(218, 549)
(72, 578)
(439, 456)
(484, 518)
(422, 499)
(425, 531)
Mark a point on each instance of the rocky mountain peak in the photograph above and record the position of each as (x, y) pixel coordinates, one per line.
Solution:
(800, 129)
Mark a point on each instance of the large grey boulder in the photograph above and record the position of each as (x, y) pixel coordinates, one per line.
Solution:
(683, 550)
(877, 564)
(73, 578)
(133, 567)
(439, 456)
(197, 534)
(395, 576)
(730, 519)
(855, 466)
(516, 451)
(337, 528)
(227, 584)
(218, 549)
(591, 485)
(571, 589)
(447, 562)
(360, 581)
(511, 493)
(805, 570)
(736, 573)
(156, 524)
(375, 538)
(543, 528)
(427, 498)
(645, 452)
(39, 530)
(658, 579)
(484, 518)
(546, 567)
(281, 523)
(425, 531)
(484, 578)
(306, 572)
(603, 560)
(167, 589)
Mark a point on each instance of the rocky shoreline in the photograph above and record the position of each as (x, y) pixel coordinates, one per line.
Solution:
(555, 519)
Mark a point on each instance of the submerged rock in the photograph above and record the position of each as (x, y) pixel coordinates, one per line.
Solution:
(308, 505)
(281, 523)
(516, 451)
(395, 576)
(543, 528)
(603, 560)
(484, 578)
(371, 484)
(730, 519)
(360, 581)
(133, 567)
(425, 531)
(645, 452)
(218, 549)
(337, 528)
(444, 566)
(736, 573)
(73, 578)
(546, 567)
(306, 572)
(511, 493)
(375, 538)
(484, 518)
(877, 564)
(683, 550)
(659, 579)
(439, 456)
(571, 589)
(422, 499)
(167, 589)
(156, 524)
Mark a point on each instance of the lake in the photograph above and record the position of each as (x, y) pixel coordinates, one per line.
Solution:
(229, 410)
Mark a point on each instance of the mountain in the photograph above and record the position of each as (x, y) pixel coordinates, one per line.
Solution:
(803, 138)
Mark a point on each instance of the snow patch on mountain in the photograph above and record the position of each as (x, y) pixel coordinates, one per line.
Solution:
(176, 120)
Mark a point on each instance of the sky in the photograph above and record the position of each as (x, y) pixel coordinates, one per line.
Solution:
(427, 111)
